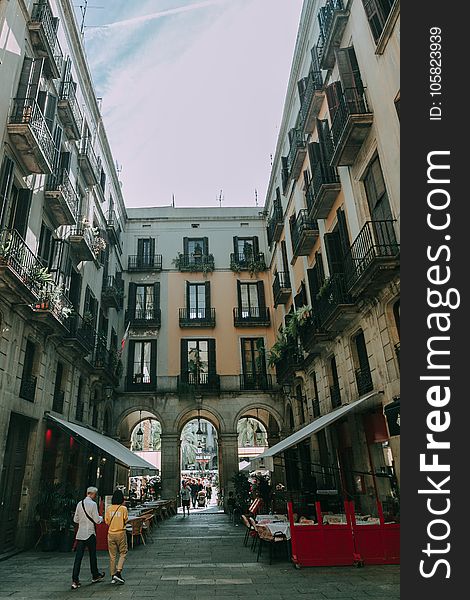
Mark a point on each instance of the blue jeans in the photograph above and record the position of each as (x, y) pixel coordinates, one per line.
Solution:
(90, 543)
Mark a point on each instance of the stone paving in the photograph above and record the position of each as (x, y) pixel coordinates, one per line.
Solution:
(194, 558)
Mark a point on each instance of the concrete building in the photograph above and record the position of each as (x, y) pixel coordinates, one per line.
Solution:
(281, 314)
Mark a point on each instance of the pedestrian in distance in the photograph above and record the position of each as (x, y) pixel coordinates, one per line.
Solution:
(194, 491)
(116, 518)
(185, 494)
(87, 517)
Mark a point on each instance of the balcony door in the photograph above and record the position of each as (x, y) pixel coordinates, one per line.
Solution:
(379, 208)
(195, 249)
(198, 361)
(145, 252)
(198, 300)
(251, 299)
(18, 213)
(144, 302)
(253, 359)
(142, 363)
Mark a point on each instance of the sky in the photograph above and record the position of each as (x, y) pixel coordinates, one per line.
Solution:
(192, 94)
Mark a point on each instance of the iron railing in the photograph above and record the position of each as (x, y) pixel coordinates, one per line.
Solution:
(86, 233)
(314, 83)
(87, 152)
(297, 142)
(275, 222)
(301, 224)
(325, 18)
(335, 395)
(256, 381)
(322, 174)
(19, 258)
(333, 294)
(81, 331)
(376, 240)
(199, 381)
(144, 316)
(28, 387)
(68, 94)
(352, 102)
(60, 182)
(281, 282)
(26, 111)
(141, 262)
(53, 300)
(58, 401)
(113, 288)
(195, 262)
(251, 315)
(245, 260)
(42, 14)
(193, 317)
(364, 381)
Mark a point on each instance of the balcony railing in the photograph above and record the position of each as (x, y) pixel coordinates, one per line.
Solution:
(89, 163)
(256, 381)
(335, 395)
(105, 360)
(373, 254)
(364, 381)
(197, 317)
(112, 227)
(333, 19)
(245, 261)
(291, 362)
(304, 234)
(333, 299)
(209, 382)
(297, 152)
(140, 262)
(140, 381)
(195, 262)
(43, 30)
(312, 335)
(80, 332)
(62, 198)
(275, 223)
(281, 288)
(53, 302)
(322, 191)
(251, 316)
(19, 264)
(28, 387)
(69, 110)
(58, 401)
(112, 292)
(81, 240)
(311, 100)
(144, 317)
(30, 134)
(351, 122)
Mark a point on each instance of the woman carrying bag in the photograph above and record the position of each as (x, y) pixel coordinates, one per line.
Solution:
(116, 518)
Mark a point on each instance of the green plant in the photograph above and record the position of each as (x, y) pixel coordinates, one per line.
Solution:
(87, 318)
(242, 489)
(235, 266)
(56, 503)
(256, 266)
(278, 349)
(5, 247)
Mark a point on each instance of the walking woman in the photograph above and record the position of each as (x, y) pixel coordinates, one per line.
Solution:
(116, 518)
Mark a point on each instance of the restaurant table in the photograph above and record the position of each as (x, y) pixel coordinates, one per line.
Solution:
(271, 518)
(283, 528)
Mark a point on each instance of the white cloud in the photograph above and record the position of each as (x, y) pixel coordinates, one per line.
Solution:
(195, 107)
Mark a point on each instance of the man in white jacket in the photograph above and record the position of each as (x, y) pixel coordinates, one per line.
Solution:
(86, 515)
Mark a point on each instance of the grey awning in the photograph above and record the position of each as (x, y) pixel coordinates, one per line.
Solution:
(138, 465)
(313, 427)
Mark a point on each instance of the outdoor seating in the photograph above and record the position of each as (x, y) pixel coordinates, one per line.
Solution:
(250, 530)
(272, 539)
(135, 529)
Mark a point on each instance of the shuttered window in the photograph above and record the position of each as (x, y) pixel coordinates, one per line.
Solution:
(377, 12)
(376, 192)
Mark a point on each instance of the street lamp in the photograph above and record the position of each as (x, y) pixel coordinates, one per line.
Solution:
(140, 433)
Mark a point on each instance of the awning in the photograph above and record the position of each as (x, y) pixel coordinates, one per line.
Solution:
(313, 427)
(138, 465)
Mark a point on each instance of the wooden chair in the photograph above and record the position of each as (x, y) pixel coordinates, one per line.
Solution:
(135, 529)
(249, 532)
(254, 536)
(266, 537)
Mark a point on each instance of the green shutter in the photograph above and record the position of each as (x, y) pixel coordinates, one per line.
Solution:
(207, 285)
(184, 359)
(212, 356)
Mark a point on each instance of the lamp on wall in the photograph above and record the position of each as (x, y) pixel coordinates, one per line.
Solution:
(199, 431)
(140, 433)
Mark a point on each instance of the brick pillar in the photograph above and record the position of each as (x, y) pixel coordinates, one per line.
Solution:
(228, 460)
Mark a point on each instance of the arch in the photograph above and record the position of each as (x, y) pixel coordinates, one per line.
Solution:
(128, 420)
(208, 414)
(250, 411)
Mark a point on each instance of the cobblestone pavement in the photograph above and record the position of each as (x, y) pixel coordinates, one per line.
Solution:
(194, 558)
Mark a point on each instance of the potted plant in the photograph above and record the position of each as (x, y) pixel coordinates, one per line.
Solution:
(242, 489)
(54, 511)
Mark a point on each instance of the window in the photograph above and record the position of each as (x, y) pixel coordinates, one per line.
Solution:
(45, 243)
(79, 409)
(337, 244)
(6, 180)
(90, 309)
(361, 364)
(301, 402)
(249, 299)
(245, 248)
(316, 400)
(145, 251)
(376, 192)
(144, 301)
(58, 400)
(253, 357)
(28, 380)
(333, 378)
(198, 364)
(377, 12)
(198, 300)
(142, 364)
(195, 249)
(20, 203)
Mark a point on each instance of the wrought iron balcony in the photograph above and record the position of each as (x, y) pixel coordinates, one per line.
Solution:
(62, 199)
(112, 292)
(105, 361)
(350, 125)
(334, 305)
(312, 336)
(19, 267)
(364, 381)
(195, 262)
(251, 316)
(52, 307)
(31, 136)
(81, 240)
(245, 261)
(90, 165)
(311, 101)
(276, 222)
(140, 382)
(197, 317)
(141, 262)
(80, 335)
(297, 152)
(144, 317)
(373, 258)
(282, 289)
(112, 227)
(43, 31)
(198, 382)
(322, 191)
(290, 363)
(58, 401)
(304, 234)
(333, 18)
(256, 381)
(28, 387)
(335, 395)
(69, 110)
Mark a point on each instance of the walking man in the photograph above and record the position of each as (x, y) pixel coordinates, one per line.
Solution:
(185, 497)
(87, 517)
(194, 491)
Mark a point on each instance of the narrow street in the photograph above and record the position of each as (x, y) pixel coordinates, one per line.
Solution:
(194, 558)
